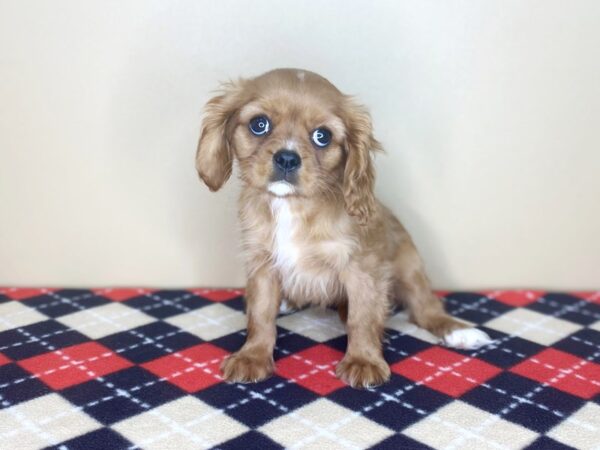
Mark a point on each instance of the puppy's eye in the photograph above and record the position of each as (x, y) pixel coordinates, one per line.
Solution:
(321, 137)
(260, 125)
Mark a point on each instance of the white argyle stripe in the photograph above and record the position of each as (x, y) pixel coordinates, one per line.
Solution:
(473, 306)
(315, 368)
(586, 342)
(575, 307)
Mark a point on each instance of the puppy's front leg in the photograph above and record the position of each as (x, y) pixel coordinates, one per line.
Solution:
(363, 365)
(254, 361)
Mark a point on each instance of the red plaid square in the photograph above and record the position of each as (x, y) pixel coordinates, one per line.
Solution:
(23, 293)
(3, 360)
(74, 365)
(589, 296)
(218, 295)
(192, 369)
(122, 294)
(445, 371)
(313, 368)
(515, 298)
(563, 371)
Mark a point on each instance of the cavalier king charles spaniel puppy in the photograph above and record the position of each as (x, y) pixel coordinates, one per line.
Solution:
(312, 230)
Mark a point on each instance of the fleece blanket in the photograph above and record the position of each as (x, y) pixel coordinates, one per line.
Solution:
(138, 368)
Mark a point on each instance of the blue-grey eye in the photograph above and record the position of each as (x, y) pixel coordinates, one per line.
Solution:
(321, 137)
(260, 125)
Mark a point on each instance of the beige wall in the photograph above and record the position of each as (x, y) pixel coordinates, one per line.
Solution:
(489, 110)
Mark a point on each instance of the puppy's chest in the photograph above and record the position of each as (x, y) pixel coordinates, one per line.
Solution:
(309, 266)
(286, 248)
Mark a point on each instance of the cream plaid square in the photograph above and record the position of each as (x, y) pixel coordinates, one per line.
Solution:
(180, 424)
(459, 425)
(16, 314)
(581, 430)
(324, 424)
(210, 322)
(400, 322)
(42, 422)
(533, 326)
(106, 319)
(318, 324)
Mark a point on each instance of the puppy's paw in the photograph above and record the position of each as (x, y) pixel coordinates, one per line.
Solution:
(241, 367)
(363, 373)
(467, 339)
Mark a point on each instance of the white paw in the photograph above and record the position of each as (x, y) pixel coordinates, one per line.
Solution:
(467, 339)
(285, 307)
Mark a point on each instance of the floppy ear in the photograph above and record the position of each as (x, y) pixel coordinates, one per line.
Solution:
(214, 157)
(359, 173)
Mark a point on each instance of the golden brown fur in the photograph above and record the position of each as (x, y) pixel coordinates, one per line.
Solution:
(329, 242)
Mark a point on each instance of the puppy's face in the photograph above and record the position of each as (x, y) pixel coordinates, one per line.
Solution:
(294, 134)
(289, 140)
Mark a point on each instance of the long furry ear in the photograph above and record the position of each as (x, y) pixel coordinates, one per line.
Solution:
(214, 157)
(359, 173)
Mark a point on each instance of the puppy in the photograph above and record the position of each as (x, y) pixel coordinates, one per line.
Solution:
(313, 231)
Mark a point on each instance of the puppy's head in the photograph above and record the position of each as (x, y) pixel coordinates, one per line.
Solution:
(294, 134)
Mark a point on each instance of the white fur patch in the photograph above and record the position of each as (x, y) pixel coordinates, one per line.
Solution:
(289, 252)
(300, 75)
(291, 144)
(285, 307)
(281, 188)
(285, 253)
(467, 339)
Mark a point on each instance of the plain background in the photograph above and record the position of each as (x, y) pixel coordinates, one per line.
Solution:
(489, 112)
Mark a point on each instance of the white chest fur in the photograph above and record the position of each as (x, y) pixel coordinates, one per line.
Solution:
(308, 268)
(285, 251)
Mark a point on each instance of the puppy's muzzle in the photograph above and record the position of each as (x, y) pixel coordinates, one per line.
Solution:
(286, 162)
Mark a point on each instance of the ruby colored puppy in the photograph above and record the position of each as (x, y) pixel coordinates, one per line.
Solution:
(313, 231)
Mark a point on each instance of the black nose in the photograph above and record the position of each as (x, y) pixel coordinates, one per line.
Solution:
(287, 160)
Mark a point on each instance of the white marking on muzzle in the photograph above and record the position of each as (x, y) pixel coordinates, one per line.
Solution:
(281, 188)
(291, 144)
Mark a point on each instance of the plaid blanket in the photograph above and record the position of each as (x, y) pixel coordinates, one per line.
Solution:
(138, 368)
